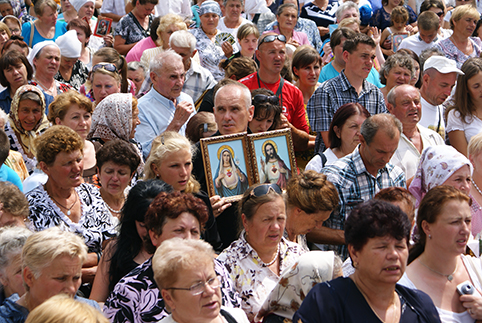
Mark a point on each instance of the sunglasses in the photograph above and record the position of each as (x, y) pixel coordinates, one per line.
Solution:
(272, 38)
(261, 98)
(265, 189)
(106, 66)
(440, 13)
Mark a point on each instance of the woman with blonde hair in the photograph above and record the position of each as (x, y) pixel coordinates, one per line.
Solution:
(171, 161)
(309, 199)
(167, 25)
(63, 309)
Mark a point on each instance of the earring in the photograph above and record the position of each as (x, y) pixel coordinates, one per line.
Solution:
(430, 236)
(355, 265)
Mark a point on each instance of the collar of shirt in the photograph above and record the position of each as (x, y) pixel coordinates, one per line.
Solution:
(360, 167)
(165, 101)
(346, 85)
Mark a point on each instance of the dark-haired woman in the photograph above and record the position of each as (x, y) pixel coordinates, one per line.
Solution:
(128, 250)
(15, 71)
(343, 134)
(377, 236)
(261, 253)
(267, 111)
(437, 264)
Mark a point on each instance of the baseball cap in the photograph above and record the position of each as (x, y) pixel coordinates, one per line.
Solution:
(442, 64)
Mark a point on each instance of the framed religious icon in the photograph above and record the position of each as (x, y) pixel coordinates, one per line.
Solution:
(227, 165)
(273, 157)
(397, 40)
(102, 28)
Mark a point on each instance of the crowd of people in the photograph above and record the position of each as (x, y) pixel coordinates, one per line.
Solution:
(110, 212)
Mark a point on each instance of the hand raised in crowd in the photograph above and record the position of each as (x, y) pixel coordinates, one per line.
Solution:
(183, 111)
(227, 49)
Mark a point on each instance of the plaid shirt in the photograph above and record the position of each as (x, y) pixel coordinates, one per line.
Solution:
(334, 93)
(198, 80)
(356, 185)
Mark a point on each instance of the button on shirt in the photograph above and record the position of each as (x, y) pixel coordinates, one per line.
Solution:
(356, 185)
(336, 92)
(155, 114)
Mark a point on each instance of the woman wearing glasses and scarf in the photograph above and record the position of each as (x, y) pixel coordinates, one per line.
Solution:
(257, 258)
(104, 80)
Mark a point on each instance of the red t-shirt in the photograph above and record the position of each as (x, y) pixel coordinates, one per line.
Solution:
(293, 105)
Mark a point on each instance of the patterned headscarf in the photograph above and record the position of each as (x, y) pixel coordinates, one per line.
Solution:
(112, 119)
(437, 164)
(26, 138)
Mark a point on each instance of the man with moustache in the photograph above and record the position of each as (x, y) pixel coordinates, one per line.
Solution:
(350, 86)
(164, 107)
(404, 104)
(274, 169)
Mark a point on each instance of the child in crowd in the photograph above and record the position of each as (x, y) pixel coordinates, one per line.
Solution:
(399, 18)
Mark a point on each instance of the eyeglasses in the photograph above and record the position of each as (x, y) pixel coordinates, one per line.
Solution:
(199, 288)
(272, 38)
(261, 98)
(265, 189)
(106, 66)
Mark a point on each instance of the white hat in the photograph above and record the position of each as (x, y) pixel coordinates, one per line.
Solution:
(70, 46)
(37, 48)
(77, 4)
(442, 64)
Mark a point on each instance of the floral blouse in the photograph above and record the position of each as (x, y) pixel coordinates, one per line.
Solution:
(452, 52)
(252, 280)
(209, 54)
(136, 297)
(95, 225)
(79, 75)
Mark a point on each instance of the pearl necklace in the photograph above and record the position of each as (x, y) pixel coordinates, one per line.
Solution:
(274, 259)
(475, 185)
(112, 210)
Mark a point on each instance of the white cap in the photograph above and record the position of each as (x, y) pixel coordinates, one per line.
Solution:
(77, 4)
(37, 48)
(70, 46)
(442, 64)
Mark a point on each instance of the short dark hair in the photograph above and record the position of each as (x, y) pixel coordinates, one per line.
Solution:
(263, 110)
(4, 146)
(427, 4)
(13, 58)
(339, 118)
(119, 152)
(339, 34)
(81, 24)
(351, 44)
(304, 56)
(397, 194)
(375, 218)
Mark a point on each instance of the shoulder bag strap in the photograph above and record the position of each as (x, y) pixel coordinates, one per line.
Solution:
(228, 316)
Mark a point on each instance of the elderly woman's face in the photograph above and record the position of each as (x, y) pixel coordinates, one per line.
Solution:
(465, 26)
(288, 18)
(450, 231)
(48, 62)
(397, 76)
(77, 119)
(137, 77)
(382, 259)
(209, 21)
(166, 34)
(16, 75)
(14, 27)
(104, 85)
(460, 179)
(185, 306)
(62, 276)
(66, 171)
(29, 114)
(87, 10)
(265, 229)
(12, 278)
(115, 178)
(349, 133)
(175, 169)
(185, 226)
